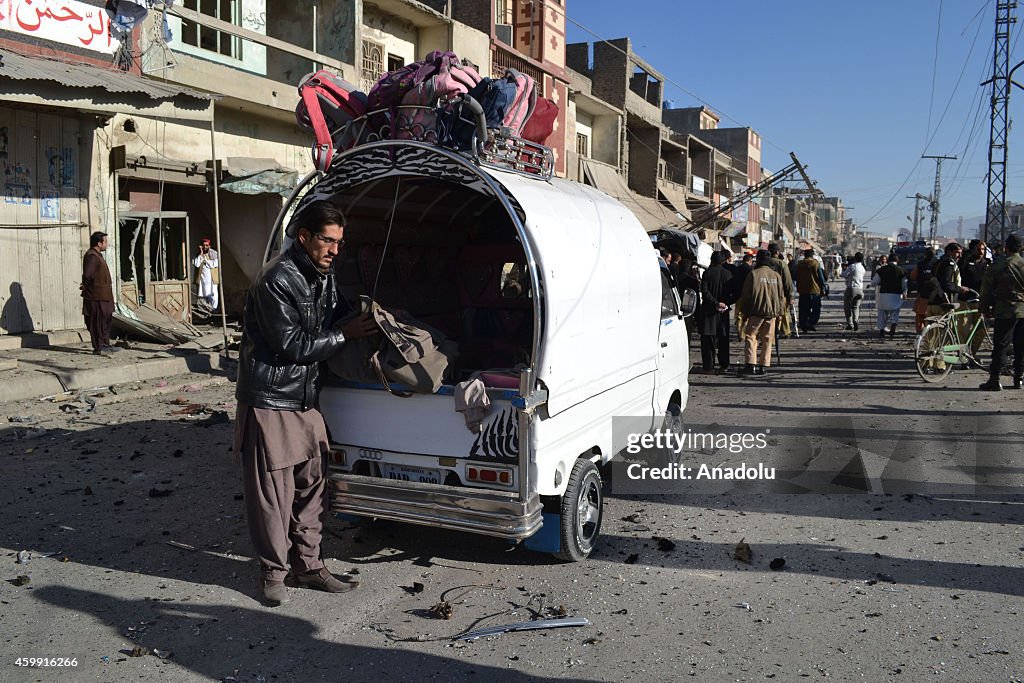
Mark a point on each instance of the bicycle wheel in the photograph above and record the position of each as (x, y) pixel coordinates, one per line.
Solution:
(986, 336)
(932, 364)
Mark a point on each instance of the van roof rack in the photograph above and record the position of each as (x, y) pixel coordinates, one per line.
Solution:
(461, 127)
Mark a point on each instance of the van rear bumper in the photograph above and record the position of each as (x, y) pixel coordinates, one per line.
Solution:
(491, 513)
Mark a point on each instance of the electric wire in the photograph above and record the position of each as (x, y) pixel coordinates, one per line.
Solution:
(928, 142)
(667, 79)
(930, 134)
(984, 98)
(935, 71)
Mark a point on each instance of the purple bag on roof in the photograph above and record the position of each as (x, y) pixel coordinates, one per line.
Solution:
(440, 75)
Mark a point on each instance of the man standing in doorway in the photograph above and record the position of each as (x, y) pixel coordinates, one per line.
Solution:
(207, 263)
(280, 435)
(97, 295)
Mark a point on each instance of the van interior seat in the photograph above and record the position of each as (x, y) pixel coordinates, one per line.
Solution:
(497, 328)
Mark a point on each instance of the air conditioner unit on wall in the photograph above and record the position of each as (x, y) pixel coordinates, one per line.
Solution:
(503, 32)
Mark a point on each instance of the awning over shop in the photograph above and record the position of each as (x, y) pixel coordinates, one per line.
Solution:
(808, 244)
(675, 197)
(250, 175)
(734, 230)
(649, 211)
(39, 80)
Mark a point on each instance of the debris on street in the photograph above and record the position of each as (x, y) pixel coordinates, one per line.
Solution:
(524, 626)
(442, 610)
(664, 545)
(742, 552)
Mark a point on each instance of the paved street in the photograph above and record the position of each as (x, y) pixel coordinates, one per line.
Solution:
(909, 568)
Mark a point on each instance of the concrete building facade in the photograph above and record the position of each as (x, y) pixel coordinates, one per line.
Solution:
(207, 144)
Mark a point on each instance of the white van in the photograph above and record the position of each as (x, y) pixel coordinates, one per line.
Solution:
(545, 276)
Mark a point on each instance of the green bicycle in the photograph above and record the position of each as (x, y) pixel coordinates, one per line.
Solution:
(954, 338)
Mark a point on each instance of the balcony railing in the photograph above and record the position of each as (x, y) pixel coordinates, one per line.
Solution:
(502, 59)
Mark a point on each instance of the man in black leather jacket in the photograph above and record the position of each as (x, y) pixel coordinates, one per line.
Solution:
(280, 435)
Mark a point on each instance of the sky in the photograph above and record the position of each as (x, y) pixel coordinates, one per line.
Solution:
(858, 90)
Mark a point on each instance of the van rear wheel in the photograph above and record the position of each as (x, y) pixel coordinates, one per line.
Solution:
(582, 508)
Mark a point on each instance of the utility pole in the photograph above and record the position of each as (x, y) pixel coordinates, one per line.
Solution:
(917, 213)
(934, 206)
(1002, 75)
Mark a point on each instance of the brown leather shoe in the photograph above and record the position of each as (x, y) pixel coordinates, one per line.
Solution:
(274, 592)
(323, 580)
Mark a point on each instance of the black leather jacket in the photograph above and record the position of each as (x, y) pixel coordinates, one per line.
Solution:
(287, 333)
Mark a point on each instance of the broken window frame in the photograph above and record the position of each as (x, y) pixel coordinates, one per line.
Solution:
(197, 36)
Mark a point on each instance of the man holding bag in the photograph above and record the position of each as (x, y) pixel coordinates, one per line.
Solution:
(280, 436)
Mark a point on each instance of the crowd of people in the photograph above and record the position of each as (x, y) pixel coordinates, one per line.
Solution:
(756, 293)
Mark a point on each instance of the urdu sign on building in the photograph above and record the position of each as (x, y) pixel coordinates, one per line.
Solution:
(69, 22)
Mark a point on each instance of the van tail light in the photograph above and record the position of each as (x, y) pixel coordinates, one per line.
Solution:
(489, 475)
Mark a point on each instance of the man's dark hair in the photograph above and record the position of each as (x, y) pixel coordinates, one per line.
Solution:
(1013, 243)
(717, 258)
(314, 217)
(96, 238)
(929, 254)
(773, 248)
(858, 257)
(808, 253)
(951, 247)
(762, 257)
(747, 258)
(973, 244)
(894, 260)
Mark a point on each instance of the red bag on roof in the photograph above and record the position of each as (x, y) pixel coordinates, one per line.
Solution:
(327, 103)
(539, 126)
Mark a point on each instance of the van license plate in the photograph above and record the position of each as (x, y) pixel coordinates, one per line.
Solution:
(403, 473)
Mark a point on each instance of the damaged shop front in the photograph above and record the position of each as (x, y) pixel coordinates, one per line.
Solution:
(169, 202)
(54, 146)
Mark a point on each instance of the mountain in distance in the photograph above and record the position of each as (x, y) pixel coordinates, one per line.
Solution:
(971, 223)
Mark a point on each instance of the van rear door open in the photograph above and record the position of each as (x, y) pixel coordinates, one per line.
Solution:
(553, 293)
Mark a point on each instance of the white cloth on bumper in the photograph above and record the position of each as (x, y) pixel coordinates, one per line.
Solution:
(471, 400)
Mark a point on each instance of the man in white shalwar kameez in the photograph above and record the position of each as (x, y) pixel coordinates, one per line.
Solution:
(207, 262)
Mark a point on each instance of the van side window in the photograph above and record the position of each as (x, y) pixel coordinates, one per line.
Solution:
(669, 306)
(515, 281)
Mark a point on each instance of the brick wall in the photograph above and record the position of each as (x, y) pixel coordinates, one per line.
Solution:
(684, 120)
(577, 57)
(611, 71)
(474, 13)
